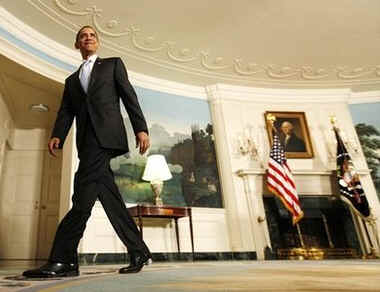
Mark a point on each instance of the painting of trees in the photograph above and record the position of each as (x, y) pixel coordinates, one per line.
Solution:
(369, 138)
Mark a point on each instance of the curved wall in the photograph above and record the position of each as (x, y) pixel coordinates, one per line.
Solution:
(233, 111)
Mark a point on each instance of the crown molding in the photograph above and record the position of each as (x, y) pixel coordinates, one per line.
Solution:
(35, 51)
(225, 92)
(364, 97)
(167, 86)
(40, 54)
(26, 36)
(31, 61)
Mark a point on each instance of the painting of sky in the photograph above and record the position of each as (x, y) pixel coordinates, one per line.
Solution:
(368, 113)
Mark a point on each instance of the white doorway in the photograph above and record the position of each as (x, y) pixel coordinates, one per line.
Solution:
(29, 197)
(49, 204)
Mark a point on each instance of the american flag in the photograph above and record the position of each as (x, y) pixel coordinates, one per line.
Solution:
(280, 180)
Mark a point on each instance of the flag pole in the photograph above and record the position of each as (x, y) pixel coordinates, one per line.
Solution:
(279, 176)
(327, 230)
(300, 235)
(371, 219)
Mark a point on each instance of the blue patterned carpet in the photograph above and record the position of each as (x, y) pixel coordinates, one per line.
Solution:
(247, 276)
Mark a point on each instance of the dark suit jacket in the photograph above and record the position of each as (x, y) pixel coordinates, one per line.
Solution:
(108, 83)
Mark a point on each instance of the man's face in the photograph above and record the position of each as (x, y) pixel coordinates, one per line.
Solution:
(87, 41)
(286, 128)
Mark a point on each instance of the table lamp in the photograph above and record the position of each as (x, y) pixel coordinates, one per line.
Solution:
(156, 171)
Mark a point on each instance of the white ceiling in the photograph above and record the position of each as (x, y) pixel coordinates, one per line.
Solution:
(264, 43)
(275, 43)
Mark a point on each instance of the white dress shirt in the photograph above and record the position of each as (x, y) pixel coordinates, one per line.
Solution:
(85, 71)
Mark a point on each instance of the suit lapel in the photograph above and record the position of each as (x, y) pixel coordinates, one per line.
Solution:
(78, 85)
(94, 74)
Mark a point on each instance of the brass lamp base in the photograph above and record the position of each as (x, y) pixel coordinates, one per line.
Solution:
(158, 201)
(157, 189)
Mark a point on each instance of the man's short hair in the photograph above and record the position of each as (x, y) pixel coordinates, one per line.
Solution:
(287, 123)
(82, 28)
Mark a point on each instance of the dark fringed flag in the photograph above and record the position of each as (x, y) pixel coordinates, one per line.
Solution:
(348, 179)
(280, 180)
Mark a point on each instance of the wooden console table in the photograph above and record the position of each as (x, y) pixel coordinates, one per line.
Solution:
(151, 211)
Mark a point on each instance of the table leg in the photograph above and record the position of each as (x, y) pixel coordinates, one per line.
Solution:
(177, 234)
(191, 231)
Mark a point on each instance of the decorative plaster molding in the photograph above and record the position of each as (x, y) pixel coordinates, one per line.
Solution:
(247, 70)
(185, 53)
(215, 66)
(289, 73)
(64, 9)
(29, 46)
(134, 31)
(29, 55)
(356, 73)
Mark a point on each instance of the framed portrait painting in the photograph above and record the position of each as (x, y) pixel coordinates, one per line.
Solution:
(293, 132)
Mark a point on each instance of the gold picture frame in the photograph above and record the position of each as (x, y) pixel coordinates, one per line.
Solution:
(293, 132)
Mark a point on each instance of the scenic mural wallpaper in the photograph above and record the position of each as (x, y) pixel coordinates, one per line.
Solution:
(367, 124)
(180, 128)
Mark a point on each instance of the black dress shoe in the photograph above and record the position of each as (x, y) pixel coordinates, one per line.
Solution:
(51, 270)
(137, 263)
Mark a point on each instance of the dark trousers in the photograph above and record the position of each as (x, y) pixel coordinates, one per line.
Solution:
(94, 180)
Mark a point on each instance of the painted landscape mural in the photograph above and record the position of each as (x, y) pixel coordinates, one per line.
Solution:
(180, 128)
(367, 124)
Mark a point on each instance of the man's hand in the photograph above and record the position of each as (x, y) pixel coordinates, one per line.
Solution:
(53, 144)
(142, 141)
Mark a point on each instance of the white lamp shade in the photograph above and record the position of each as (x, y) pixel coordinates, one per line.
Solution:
(156, 169)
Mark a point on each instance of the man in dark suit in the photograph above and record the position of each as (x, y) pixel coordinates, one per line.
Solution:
(290, 141)
(92, 96)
